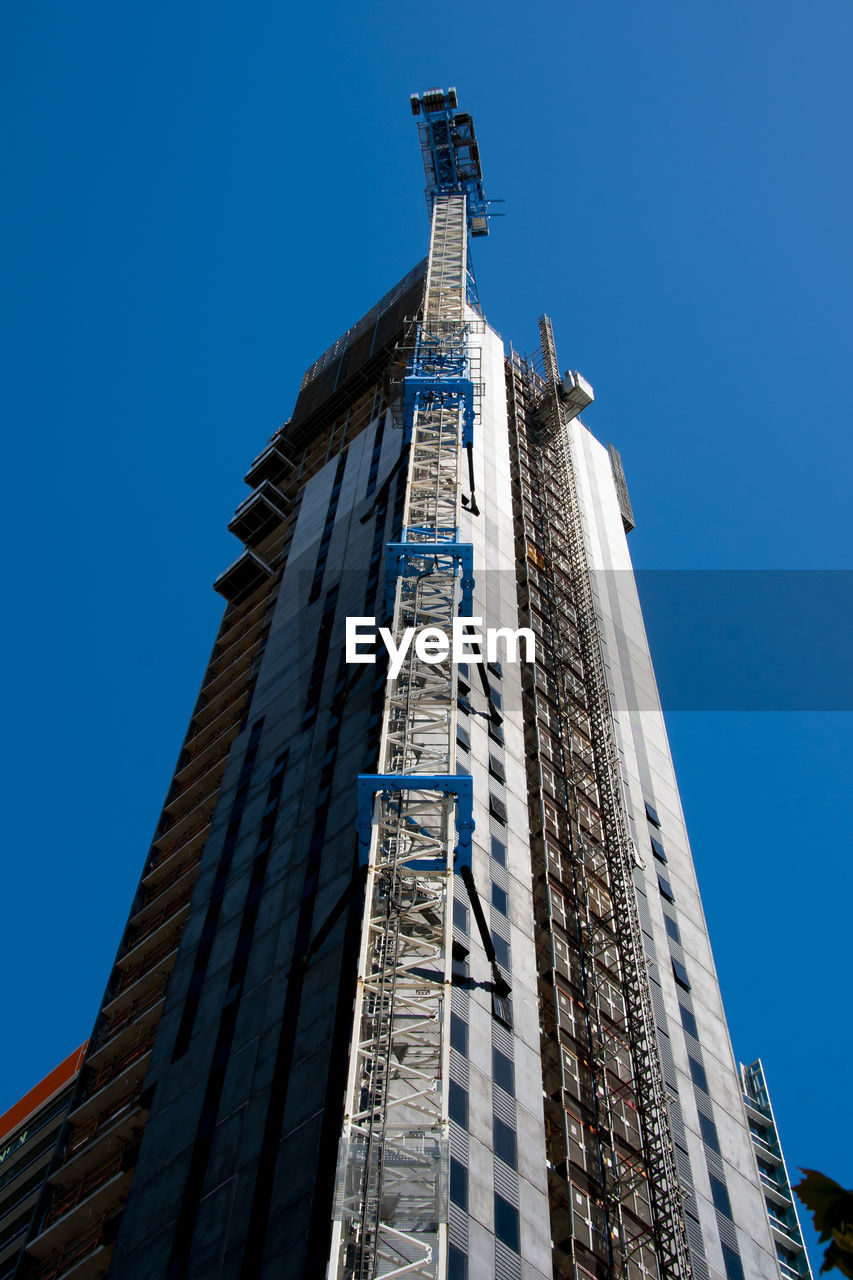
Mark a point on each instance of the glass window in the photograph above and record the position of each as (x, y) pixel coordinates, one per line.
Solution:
(501, 951)
(463, 737)
(506, 1223)
(672, 929)
(502, 1009)
(457, 1100)
(503, 1071)
(652, 814)
(500, 899)
(504, 1142)
(457, 1264)
(688, 1021)
(709, 1132)
(666, 889)
(458, 1183)
(681, 974)
(460, 915)
(697, 1072)
(459, 1033)
(499, 851)
(733, 1264)
(497, 808)
(496, 769)
(720, 1196)
(657, 849)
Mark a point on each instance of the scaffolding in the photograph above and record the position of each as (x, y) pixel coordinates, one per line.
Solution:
(617, 936)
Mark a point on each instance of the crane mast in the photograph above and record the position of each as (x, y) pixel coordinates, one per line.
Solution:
(415, 815)
(415, 821)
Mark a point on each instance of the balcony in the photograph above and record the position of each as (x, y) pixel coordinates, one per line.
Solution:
(126, 1051)
(205, 749)
(273, 464)
(130, 985)
(777, 1193)
(90, 1187)
(764, 1151)
(782, 1233)
(201, 760)
(198, 788)
(179, 825)
(19, 1203)
(262, 513)
(235, 637)
(213, 714)
(82, 1257)
(115, 1125)
(215, 745)
(234, 673)
(128, 1016)
(173, 856)
(236, 625)
(150, 930)
(108, 1070)
(754, 1111)
(10, 1250)
(243, 577)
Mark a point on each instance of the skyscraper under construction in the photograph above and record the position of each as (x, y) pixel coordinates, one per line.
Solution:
(416, 981)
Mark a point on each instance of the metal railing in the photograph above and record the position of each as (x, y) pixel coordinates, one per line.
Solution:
(73, 1252)
(64, 1202)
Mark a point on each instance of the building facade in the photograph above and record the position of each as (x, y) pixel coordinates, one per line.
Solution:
(772, 1171)
(416, 979)
(28, 1135)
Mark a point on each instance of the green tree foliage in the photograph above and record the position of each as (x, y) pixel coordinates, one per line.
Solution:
(832, 1209)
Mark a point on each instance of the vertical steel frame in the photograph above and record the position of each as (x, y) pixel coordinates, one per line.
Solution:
(391, 1204)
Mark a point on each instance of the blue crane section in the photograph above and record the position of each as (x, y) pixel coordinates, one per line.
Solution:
(451, 154)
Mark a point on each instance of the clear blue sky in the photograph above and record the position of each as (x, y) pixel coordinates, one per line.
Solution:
(200, 197)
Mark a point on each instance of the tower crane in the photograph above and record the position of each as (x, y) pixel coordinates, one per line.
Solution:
(415, 814)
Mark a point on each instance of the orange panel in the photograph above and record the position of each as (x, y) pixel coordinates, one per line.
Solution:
(41, 1093)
